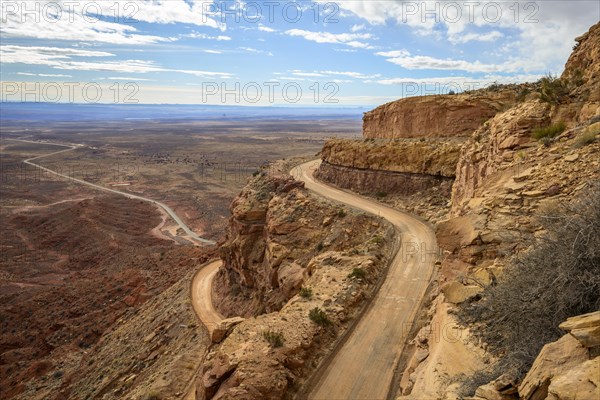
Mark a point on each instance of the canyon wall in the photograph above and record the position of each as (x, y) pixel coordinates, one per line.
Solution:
(412, 145)
(401, 167)
(507, 183)
(435, 116)
(382, 183)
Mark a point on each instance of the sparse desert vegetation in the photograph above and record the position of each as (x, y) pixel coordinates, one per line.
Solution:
(319, 317)
(559, 277)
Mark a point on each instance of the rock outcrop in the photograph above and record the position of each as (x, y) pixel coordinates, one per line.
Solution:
(566, 369)
(276, 228)
(382, 182)
(582, 79)
(263, 253)
(435, 116)
(494, 145)
(414, 156)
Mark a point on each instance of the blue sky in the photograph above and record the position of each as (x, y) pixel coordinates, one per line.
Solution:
(282, 53)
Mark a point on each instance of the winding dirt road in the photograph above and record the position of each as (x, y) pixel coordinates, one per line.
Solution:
(202, 295)
(71, 147)
(363, 366)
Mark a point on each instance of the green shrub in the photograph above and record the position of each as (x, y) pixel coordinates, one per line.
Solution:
(341, 213)
(546, 141)
(152, 395)
(319, 317)
(306, 293)
(358, 273)
(521, 155)
(522, 95)
(588, 136)
(549, 131)
(559, 277)
(320, 246)
(380, 195)
(376, 240)
(552, 90)
(275, 339)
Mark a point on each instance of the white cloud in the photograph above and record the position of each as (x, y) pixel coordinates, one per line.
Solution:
(416, 62)
(349, 39)
(480, 37)
(196, 35)
(357, 27)
(393, 53)
(63, 59)
(213, 51)
(542, 31)
(351, 74)
(307, 74)
(256, 51)
(195, 12)
(80, 21)
(126, 78)
(77, 30)
(328, 73)
(45, 75)
(263, 28)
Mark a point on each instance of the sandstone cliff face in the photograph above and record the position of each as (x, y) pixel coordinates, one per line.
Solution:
(435, 116)
(401, 167)
(382, 183)
(411, 155)
(427, 157)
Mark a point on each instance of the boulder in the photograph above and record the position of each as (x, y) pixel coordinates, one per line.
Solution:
(454, 233)
(455, 292)
(585, 328)
(555, 359)
(223, 328)
(215, 373)
(581, 382)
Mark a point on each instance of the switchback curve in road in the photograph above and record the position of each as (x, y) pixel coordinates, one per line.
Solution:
(363, 366)
(165, 207)
(202, 296)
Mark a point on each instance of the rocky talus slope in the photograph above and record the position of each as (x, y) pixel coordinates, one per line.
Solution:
(300, 269)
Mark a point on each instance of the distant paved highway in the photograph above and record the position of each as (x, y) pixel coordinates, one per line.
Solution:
(363, 366)
(165, 207)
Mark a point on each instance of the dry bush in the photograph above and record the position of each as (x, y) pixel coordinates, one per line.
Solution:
(557, 278)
